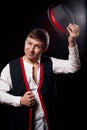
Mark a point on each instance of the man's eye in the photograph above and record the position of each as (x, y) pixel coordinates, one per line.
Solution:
(29, 43)
(39, 46)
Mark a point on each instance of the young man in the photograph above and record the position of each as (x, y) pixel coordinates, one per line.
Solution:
(26, 83)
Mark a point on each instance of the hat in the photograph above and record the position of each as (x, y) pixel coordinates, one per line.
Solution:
(60, 16)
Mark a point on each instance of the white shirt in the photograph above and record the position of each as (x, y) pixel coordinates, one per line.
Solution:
(71, 65)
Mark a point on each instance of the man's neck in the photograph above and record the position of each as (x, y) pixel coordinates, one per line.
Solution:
(33, 62)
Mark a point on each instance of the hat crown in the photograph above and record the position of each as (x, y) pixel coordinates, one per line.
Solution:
(60, 16)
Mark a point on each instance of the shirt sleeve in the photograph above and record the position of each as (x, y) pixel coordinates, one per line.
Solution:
(70, 65)
(5, 86)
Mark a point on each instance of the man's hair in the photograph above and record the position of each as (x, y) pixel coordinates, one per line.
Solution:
(41, 35)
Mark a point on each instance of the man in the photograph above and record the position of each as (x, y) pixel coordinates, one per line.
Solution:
(27, 85)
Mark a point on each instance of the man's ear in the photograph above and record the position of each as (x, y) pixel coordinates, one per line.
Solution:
(44, 50)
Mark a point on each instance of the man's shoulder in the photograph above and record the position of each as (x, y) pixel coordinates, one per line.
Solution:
(45, 57)
(14, 60)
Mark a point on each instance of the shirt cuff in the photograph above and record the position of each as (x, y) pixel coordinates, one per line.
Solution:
(74, 49)
(17, 101)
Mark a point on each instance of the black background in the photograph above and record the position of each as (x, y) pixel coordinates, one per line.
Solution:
(16, 20)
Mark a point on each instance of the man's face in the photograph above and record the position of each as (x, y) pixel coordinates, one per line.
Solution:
(33, 48)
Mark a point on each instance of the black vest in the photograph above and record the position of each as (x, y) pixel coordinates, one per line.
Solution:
(20, 116)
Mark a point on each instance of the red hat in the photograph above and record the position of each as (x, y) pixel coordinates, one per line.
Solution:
(60, 16)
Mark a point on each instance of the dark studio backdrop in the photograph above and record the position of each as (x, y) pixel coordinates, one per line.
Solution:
(16, 21)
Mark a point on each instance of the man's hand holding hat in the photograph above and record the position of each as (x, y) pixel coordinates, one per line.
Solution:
(74, 32)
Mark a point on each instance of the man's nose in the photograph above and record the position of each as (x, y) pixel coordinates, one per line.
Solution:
(32, 48)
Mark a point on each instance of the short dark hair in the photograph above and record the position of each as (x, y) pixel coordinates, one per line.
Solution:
(40, 34)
